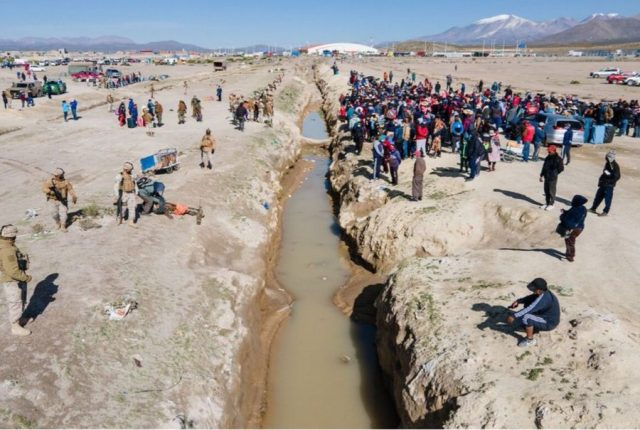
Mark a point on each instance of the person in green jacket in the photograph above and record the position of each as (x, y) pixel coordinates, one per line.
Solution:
(13, 276)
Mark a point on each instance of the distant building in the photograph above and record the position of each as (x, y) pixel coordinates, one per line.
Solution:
(342, 48)
(453, 54)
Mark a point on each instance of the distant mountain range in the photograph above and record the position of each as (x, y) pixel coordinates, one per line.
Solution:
(102, 44)
(114, 44)
(597, 28)
(502, 27)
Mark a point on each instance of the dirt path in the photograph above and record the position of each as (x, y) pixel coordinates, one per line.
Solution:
(176, 358)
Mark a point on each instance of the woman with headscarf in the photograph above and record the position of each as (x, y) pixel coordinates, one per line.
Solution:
(494, 151)
(122, 114)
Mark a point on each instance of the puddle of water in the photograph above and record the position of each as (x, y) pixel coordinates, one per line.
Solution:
(313, 126)
(324, 371)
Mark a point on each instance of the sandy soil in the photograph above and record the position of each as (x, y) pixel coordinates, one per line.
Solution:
(524, 74)
(479, 243)
(195, 333)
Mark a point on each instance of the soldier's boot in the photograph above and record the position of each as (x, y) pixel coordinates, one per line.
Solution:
(209, 165)
(18, 330)
(202, 165)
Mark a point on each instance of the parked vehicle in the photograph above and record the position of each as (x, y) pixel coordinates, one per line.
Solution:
(85, 76)
(554, 128)
(37, 69)
(112, 73)
(34, 88)
(603, 73)
(633, 81)
(620, 78)
(219, 66)
(56, 87)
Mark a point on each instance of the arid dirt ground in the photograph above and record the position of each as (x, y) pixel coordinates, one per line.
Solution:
(478, 245)
(177, 359)
(198, 288)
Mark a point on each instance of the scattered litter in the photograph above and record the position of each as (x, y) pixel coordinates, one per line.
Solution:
(324, 278)
(265, 205)
(137, 360)
(119, 310)
(542, 411)
(30, 213)
(345, 359)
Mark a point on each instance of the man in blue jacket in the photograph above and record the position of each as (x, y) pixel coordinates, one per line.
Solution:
(567, 140)
(541, 311)
(378, 155)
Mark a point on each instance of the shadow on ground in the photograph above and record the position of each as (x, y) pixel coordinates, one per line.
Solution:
(42, 296)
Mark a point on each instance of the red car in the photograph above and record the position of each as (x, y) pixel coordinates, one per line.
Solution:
(619, 78)
(85, 76)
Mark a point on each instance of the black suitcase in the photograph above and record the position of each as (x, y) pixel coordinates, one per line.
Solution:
(609, 132)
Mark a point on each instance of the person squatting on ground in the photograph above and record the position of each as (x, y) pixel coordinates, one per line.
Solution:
(541, 311)
(606, 183)
(151, 192)
(207, 149)
(13, 277)
(551, 168)
(58, 190)
(126, 189)
(572, 224)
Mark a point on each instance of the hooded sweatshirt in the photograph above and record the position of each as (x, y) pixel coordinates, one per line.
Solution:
(610, 174)
(574, 217)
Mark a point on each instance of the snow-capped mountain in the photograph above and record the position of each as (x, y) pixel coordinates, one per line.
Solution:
(597, 29)
(508, 28)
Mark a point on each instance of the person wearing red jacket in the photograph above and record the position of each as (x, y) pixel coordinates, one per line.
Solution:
(421, 136)
(528, 133)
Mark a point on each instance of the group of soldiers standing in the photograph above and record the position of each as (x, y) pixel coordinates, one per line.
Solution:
(127, 186)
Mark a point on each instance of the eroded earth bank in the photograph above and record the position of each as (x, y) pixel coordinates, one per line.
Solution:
(454, 261)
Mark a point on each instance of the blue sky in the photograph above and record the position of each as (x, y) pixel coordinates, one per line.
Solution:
(234, 23)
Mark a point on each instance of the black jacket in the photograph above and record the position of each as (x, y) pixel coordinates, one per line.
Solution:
(609, 180)
(474, 147)
(574, 217)
(552, 167)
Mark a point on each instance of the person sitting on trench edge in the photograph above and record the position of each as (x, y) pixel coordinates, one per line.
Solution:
(541, 311)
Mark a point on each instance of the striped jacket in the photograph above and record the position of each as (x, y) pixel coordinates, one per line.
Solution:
(545, 306)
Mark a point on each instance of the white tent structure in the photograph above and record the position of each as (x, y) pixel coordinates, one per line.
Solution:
(343, 48)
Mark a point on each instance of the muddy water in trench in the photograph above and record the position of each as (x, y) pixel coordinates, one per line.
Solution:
(324, 372)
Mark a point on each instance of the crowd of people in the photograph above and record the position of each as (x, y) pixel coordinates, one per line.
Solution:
(257, 108)
(410, 119)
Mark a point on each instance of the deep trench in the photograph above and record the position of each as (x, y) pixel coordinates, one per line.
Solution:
(324, 371)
